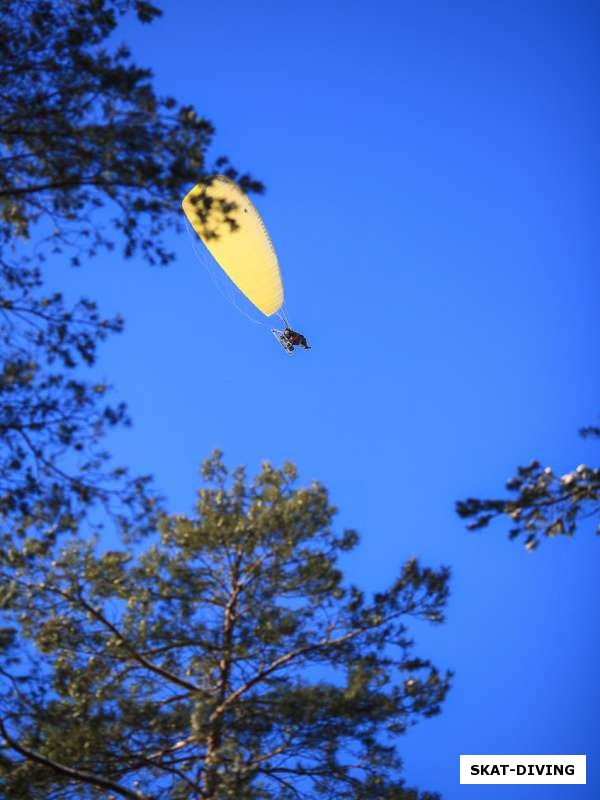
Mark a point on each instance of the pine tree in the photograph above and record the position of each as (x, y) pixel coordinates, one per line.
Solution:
(230, 659)
(90, 158)
(544, 504)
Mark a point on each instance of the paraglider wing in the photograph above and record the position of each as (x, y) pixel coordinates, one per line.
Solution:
(234, 233)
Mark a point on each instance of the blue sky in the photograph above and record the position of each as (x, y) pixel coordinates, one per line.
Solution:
(432, 176)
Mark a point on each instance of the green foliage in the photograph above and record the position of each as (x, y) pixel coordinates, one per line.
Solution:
(52, 466)
(91, 156)
(544, 504)
(230, 659)
(81, 127)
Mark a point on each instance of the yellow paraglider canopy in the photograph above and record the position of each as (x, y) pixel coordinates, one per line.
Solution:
(232, 230)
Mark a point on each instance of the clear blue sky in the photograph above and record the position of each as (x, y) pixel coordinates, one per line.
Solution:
(433, 194)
